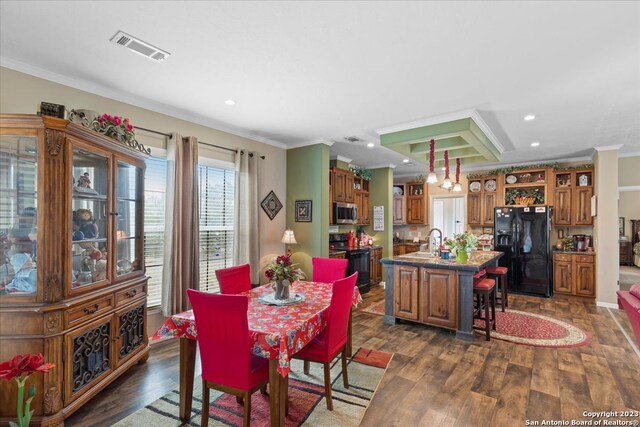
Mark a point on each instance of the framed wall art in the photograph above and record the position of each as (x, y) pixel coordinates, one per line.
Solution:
(303, 210)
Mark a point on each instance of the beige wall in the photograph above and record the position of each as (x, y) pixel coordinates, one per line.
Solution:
(629, 176)
(606, 226)
(22, 93)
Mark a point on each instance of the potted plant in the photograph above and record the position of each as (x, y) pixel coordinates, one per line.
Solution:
(362, 173)
(282, 272)
(463, 243)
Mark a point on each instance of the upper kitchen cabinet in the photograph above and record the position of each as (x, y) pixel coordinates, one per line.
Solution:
(342, 185)
(399, 204)
(481, 200)
(362, 200)
(416, 199)
(572, 197)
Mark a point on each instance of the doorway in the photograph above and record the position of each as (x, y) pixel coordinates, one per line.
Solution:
(448, 214)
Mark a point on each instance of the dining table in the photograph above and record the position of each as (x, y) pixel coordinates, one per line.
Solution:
(276, 332)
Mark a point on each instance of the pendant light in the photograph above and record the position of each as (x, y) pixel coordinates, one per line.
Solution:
(431, 179)
(446, 184)
(457, 187)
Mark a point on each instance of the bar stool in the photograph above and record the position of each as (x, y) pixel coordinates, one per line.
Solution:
(500, 274)
(485, 290)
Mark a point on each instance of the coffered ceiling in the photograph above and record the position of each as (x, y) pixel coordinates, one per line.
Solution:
(306, 72)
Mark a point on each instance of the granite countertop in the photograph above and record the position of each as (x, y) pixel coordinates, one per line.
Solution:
(476, 261)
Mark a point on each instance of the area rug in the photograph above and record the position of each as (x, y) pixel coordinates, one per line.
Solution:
(307, 405)
(536, 330)
(375, 308)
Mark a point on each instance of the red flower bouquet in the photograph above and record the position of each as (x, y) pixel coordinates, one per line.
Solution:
(19, 368)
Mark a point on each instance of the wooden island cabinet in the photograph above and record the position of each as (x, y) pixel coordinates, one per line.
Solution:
(72, 282)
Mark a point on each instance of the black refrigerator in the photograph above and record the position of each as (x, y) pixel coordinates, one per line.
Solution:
(522, 233)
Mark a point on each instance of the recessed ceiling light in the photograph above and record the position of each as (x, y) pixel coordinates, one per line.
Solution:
(230, 102)
(370, 145)
(535, 144)
(529, 117)
(405, 161)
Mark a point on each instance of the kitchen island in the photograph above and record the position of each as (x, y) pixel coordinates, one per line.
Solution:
(426, 289)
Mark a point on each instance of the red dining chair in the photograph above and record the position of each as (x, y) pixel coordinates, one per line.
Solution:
(328, 269)
(326, 346)
(234, 280)
(225, 349)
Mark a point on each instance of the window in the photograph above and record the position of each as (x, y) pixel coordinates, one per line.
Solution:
(154, 202)
(217, 189)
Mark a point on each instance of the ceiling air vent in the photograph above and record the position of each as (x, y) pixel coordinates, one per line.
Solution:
(352, 138)
(138, 46)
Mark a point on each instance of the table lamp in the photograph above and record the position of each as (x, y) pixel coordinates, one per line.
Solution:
(288, 238)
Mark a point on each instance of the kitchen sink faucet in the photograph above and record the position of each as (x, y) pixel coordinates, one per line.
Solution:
(439, 252)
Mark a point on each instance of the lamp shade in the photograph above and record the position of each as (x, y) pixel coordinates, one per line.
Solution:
(289, 238)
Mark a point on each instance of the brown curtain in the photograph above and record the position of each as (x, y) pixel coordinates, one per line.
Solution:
(181, 250)
(246, 238)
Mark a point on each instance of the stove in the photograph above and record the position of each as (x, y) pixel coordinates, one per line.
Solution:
(359, 259)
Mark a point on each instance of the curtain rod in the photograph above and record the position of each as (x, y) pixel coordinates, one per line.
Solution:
(168, 135)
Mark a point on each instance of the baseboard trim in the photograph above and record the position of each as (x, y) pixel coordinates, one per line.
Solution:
(606, 304)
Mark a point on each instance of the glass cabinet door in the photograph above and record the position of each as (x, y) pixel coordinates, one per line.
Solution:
(18, 218)
(89, 219)
(128, 219)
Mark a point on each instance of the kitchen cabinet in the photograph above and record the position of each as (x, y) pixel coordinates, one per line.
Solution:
(376, 267)
(399, 210)
(342, 185)
(574, 274)
(481, 200)
(438, 297)
(361, 199)
(78, 198)
(406, 292)
(572, 197)
(529, 187)
(416, 200)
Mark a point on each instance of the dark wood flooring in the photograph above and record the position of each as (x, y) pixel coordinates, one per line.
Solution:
(437, 380)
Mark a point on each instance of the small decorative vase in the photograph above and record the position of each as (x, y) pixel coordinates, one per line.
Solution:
(282, 289)
(461, 257)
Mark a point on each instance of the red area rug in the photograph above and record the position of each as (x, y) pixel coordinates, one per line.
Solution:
(535, 329)
(375, 308)
(523, 328)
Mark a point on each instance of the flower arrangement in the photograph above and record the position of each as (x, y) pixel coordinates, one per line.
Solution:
(281, 268)
(114, 127)
(362, 173)
(19, 368)
(462, 242)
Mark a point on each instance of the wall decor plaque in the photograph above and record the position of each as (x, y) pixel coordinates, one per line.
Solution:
(271, 205)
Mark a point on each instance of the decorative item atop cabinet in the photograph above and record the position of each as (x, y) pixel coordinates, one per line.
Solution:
(572, 193)
(73, 213)
(526, 187)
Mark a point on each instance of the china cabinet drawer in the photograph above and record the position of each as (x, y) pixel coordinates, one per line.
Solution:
(584, 258)
(562, 257)
(126, 295)
(90, 310)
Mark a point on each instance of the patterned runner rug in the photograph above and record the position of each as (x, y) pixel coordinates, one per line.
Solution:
(524, 328)
(307, 405)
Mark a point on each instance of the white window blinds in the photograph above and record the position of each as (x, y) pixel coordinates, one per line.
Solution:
(217, 189)
(154, 202)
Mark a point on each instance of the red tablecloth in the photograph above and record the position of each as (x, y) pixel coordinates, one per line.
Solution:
(276, 331)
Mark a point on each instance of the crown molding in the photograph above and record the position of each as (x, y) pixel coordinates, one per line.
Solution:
(608, 147)
(127, 98)
(471, 113)
(312, 142)
(622, 155)
(341, 158)
(382, 165)
(471, 169)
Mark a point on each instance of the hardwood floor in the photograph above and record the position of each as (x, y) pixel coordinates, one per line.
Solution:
(437, 380)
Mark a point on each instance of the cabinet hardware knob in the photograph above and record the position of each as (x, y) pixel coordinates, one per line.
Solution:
(131, 294)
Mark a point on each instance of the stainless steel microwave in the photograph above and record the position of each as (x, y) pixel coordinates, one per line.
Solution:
(345, 213)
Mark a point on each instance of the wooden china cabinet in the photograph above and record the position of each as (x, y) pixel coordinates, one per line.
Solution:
(72, 282)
